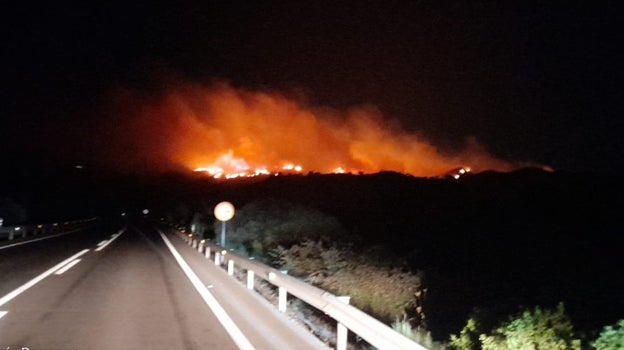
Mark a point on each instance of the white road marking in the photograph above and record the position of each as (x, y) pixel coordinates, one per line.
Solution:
(5, 299)
(235, 333)
(103, 242)
(113, 237)
(67, 267)
(2, 313)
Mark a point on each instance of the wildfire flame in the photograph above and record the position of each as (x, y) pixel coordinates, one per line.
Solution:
(228, 167)
(229, 132)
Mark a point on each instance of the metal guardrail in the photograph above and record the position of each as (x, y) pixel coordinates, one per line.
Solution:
(370, 329)
(10, 233)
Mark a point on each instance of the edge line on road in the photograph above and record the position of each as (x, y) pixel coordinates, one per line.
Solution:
(235, 333)
(5, 299)
(3, 313)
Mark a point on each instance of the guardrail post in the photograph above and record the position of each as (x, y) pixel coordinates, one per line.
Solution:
(342, 331)
(230, 267)
(217, 258)
(250, 279)
(283, 294)
(207, 252)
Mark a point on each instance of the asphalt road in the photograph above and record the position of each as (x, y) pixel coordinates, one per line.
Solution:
(123, 288)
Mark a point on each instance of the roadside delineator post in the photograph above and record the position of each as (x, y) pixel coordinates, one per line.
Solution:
(342, 331)
(250, 279)
(230, 267)
(283, 298)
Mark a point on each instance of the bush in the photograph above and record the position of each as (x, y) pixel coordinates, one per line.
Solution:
(532, 329)
(264, 225)
(383, 291)
(468, 338)
(420, 336)
(611, 337)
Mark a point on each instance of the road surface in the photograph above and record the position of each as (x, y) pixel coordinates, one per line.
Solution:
(124, 289)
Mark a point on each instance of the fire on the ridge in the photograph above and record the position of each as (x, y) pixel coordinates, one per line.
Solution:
(229, 167)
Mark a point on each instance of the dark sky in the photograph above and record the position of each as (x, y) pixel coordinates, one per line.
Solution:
(535, 81)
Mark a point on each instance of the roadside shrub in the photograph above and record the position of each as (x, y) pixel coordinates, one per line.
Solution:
(531, 329)
(611, 337)
(261, 226)
(420, 336)
(468, 338)
(383, 291)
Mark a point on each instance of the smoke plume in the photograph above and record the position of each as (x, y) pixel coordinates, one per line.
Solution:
(191, 126)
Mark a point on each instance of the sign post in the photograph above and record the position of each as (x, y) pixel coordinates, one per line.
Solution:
(224, 211)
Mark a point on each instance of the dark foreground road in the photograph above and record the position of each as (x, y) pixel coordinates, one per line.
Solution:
(123, 289)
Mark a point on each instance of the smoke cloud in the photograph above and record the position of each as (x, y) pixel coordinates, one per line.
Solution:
(191, 126)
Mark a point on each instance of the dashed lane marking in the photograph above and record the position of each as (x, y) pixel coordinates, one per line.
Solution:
(113, 238)
(5, 299)
(67, 267)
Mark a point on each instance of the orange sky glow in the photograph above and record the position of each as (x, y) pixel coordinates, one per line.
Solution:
(222, 129)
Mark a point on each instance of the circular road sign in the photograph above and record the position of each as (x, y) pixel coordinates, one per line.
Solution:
(224, 211)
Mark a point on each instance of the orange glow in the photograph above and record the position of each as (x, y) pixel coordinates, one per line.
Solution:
(228, 132)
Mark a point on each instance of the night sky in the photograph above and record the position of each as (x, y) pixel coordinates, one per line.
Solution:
(531, 80)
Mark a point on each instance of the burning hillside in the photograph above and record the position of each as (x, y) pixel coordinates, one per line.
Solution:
(230, 132)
